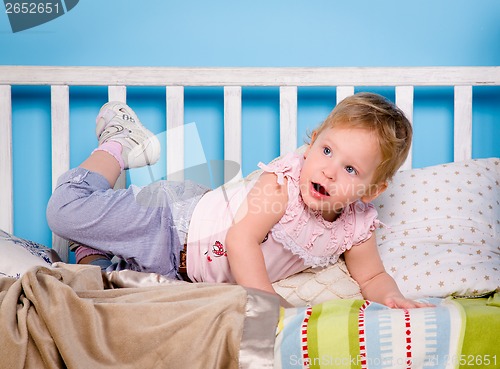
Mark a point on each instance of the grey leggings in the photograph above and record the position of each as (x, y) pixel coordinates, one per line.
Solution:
(146, 227)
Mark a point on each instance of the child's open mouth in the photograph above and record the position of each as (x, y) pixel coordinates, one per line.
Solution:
(320, 189)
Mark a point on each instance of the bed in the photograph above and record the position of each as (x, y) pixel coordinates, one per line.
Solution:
(440, 243)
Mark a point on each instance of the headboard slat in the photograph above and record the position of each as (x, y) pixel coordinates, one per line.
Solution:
(343, 92)
(60, 131)
(232, 126)
(463, 123)
(119, 93)
(6, 184)
(60, 148)
(288, 118)
(404, 100)
(175, 133)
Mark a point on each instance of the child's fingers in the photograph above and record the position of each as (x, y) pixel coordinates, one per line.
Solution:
(402, 303)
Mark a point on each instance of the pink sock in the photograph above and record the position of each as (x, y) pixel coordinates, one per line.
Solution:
(83, 251)
(114, 149)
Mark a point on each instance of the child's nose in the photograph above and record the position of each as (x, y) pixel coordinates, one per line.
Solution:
(330, 173)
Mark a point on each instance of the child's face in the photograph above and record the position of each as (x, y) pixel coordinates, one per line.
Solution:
(338, 168)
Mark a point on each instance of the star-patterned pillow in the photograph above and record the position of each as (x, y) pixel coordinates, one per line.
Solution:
(443, 229)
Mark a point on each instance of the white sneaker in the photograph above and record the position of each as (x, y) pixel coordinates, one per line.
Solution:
(116, 121)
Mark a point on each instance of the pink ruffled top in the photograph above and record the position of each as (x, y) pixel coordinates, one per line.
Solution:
(305, 232)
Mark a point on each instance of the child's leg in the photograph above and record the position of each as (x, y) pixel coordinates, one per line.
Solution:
(138, 229)
(88, 255)
(105, 164)
(117, 126)
(84, 208)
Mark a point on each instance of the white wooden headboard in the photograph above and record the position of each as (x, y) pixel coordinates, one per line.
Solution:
(404, 79)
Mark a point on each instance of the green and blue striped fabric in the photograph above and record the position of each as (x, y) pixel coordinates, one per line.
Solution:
(366, 335)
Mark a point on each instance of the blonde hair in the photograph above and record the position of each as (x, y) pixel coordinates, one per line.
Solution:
(377, 114)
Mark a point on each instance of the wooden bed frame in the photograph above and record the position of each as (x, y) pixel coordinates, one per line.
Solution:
(404, 79)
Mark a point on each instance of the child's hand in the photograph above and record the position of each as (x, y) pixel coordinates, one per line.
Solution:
(404, 303)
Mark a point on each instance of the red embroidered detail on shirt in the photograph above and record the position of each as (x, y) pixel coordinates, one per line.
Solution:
(218, 249)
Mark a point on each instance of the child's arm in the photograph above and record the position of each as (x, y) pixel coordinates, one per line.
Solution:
(365, 266)
(266, 203)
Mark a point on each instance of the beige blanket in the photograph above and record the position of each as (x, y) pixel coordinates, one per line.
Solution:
(73, 316)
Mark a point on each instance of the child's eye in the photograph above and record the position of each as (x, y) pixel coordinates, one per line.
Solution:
(351, 170)
(327, 151)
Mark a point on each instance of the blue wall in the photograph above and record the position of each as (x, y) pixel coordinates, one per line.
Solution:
(245, 33)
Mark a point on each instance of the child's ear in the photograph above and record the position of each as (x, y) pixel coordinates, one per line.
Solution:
(374, 191)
